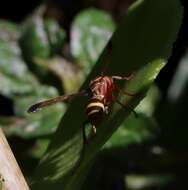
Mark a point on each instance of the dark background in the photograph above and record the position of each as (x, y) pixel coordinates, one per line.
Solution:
(65, 10)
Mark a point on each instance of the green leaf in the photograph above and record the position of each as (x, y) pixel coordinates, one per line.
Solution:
(55, 34)
(90, 32)
(137, 129)
(42, 123)
(33, 38)
(69, 75)
(9, 31)
(40, 37)
(18, 84)
(32, 125)
(14, 75)
(148, 104)
(143, 41)
(132, 131)
(40, 147)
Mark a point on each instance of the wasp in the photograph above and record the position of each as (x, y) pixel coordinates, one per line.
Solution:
(101, 94)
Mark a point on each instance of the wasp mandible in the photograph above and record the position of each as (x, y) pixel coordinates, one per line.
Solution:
(101, 92)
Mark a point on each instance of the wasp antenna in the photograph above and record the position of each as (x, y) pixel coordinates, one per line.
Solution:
(34, 108)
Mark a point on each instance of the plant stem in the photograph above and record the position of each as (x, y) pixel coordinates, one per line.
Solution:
(10, 173)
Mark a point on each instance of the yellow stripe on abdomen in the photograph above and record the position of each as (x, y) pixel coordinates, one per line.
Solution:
(92, 112)
(95, 104)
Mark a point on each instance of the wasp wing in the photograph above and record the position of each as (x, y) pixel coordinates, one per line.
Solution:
(36, 107)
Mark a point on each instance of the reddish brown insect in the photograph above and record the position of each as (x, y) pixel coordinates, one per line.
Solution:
(102, 94)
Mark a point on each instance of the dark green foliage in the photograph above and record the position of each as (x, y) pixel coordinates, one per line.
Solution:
(90, 32)
(21, 86)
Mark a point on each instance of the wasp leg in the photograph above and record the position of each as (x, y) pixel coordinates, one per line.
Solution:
(123, 92)
(85, 140)
(127, 107)
(94, 129)
(123, 78)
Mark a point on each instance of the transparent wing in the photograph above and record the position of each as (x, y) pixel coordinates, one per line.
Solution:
(36, 107)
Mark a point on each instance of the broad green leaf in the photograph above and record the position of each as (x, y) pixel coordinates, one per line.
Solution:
(42, 123)
(133, 131)
(90, 32)
(70, 76)
(18, 84)
(9, 30)
(14, 75)
(40, 37)
(141, 43)
(31, 125)
(55, 35)
(40, 147)
(33, 38)
(149, 103)
(138, 129)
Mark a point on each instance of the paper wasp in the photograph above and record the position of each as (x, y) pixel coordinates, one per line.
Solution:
(101, 92)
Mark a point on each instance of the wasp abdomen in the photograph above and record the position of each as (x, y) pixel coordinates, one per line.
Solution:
(95, 110)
